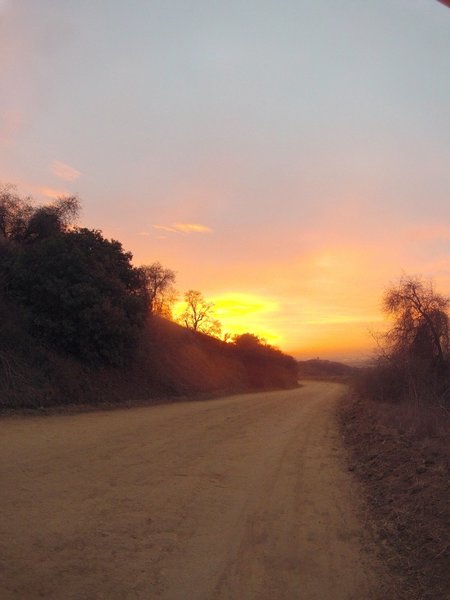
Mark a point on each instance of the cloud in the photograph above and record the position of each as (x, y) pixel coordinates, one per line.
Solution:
(65, 172)
(191, 228)
(53, 193)
(184, 228)
(164, 228)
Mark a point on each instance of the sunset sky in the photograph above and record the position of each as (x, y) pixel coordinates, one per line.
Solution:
(288, 158)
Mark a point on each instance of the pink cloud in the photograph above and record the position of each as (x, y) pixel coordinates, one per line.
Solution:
(184, 228)
(164, 228)
(53, 193)
(65, 172)
(192, 228)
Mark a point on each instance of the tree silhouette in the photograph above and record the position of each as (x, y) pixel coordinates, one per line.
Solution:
(198, 314)
(22, 222)
(52, 219)
(421, 323)
(15, 213)
(81, 294)
(248, 341)
(161, 291)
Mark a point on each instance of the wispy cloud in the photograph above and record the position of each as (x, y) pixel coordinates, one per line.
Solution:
(164, 228)
(184, 228)
(65, 172)
(192, 228)
(53, 193)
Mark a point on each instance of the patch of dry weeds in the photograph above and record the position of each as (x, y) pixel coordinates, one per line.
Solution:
(403, 461)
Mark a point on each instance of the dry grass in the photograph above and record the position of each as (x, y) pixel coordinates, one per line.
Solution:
(402, 455)
(170, 362)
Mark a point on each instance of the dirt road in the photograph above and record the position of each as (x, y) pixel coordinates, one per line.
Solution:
(245, 497)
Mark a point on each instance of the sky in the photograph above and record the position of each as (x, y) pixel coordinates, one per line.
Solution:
(289, 159)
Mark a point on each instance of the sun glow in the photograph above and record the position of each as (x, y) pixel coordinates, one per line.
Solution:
(241, 313)
(244, 313)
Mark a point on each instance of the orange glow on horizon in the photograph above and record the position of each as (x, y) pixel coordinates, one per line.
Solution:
(246, 313)
(318, 332)
(243, 313)
(322, 302)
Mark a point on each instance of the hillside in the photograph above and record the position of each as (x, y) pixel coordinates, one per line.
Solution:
(319, 368)
(170, 362)
(78, 321)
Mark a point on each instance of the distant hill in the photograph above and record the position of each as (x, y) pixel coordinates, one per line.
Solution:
(320, 368)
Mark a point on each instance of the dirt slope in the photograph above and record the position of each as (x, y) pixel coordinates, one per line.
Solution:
(242, 497)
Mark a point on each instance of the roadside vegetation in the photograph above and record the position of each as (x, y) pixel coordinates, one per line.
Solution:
(79, 323)
(397, 427)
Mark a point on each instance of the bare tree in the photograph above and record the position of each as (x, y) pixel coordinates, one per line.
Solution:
(421, 325)
(198, 314)
(412, 363)
(159, 283)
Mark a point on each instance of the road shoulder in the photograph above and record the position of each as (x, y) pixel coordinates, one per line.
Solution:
(406, 482)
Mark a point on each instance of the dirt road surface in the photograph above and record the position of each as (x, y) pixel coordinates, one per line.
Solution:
(240, 498)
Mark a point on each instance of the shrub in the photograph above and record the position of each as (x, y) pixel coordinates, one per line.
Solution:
(82, 295)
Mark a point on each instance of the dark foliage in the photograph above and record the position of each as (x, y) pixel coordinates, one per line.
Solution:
(266, 366)
(159, 283)
(15, 214)
(170, 362)
(82, 295)
(23, 223)
(413, 362)
(77, 291)
(48, 221)
(73, 309)
(421, 324)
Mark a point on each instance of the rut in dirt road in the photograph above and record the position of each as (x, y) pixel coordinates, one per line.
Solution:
(245, 497)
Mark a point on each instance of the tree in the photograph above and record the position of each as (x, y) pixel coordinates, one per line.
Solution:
(198, 314)
(412, 364)
(15, 213)
(421, 322)
(159, 283)
(22, 222)
(248, 341)
(265, 365)
(52, 219)
(82, 295)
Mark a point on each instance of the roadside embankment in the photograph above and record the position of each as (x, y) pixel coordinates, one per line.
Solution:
(169, 362)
